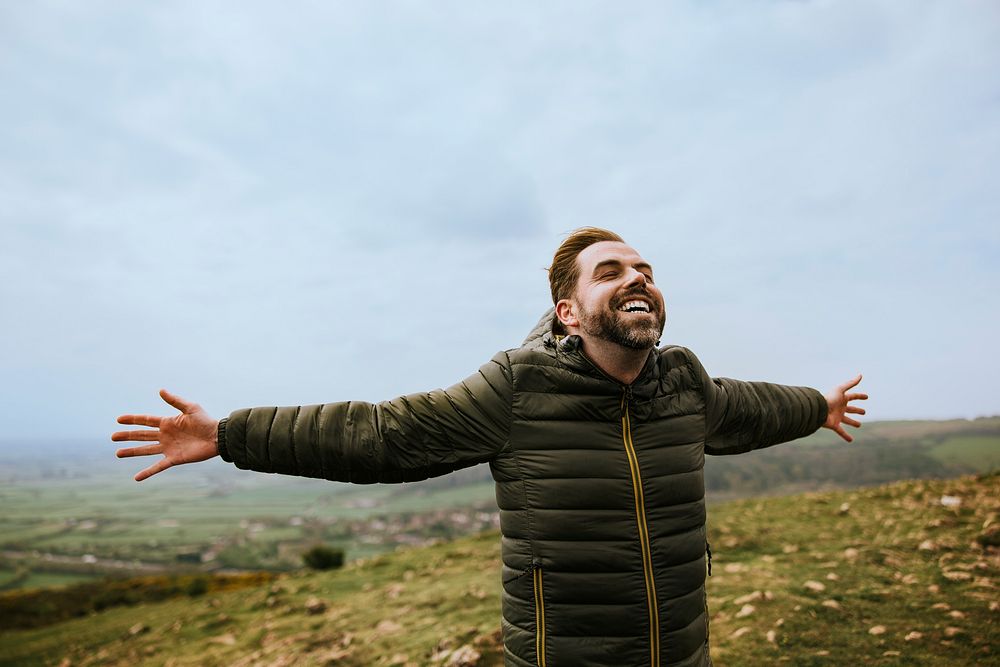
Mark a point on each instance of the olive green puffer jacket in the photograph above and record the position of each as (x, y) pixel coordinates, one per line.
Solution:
(600, 485)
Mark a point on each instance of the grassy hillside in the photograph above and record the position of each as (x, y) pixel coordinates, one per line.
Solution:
(903, 574)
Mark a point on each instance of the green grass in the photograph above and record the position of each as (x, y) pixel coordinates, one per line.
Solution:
(890, 556)
(981, 452)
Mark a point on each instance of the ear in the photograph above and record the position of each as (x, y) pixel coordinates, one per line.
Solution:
(566, 312)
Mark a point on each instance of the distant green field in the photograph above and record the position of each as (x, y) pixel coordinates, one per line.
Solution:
(39, 579)
(980, 452)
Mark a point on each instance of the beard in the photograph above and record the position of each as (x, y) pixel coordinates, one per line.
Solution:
(613, 325)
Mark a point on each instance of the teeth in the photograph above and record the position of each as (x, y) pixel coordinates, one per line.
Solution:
(634, 306)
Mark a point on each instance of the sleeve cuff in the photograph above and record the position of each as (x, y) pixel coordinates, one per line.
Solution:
(223, 450)
(823, 409)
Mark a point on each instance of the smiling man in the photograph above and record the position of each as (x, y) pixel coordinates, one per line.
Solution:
(596, 440)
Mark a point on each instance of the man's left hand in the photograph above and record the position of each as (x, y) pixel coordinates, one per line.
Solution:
(838, 403)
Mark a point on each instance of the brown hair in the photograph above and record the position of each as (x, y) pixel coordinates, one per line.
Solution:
(564, 271)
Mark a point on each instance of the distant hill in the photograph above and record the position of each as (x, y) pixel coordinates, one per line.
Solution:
(902, 574)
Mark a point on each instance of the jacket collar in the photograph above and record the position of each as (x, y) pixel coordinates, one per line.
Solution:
(568, 351)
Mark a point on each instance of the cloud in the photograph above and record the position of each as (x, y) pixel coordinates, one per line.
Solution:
(362, 199)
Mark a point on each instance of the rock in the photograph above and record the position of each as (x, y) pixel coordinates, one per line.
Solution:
(951, 501)
(955, 575)
(934, 588)
(772, 636)
(393, 591)
(956, 614)
(745, 611)
(909, 579)
(315, 606)
(832, 604)
(739, 633)
(844, 508)
(850, 553)
(227, 639)
(928, 545)
(891, 654)
(952, 631)
(941, 605)
(735, 568)
(833, 576)
(464, 656)
(913, 636)
(995, 606)
(789, 548)
(780, 622)
(822, 653)
(336, 657)
(814, 586)
(749, 597)
(138, 629)
(876, 630)
(388, 627)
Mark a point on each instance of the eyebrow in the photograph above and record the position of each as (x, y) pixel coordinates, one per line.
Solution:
(617, 263)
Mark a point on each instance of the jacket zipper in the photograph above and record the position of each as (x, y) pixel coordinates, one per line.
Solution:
(640, 515)
(539, 617)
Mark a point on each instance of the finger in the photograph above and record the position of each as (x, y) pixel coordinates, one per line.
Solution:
(145, 450)
(140, 420)
(159, 466)
(842, 433)
(850, 384)
(857, 397)
(850, 422)
(854, 409)
(137, 436)
(176, 401)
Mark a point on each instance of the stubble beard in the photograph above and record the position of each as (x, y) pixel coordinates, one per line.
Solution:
(611, 325)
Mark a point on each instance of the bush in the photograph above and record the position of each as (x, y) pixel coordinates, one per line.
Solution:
(322, 557)
(197, 586)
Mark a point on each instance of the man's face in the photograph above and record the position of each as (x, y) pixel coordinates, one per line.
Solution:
(616, 299)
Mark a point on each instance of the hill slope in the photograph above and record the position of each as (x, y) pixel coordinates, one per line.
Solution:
(893, 575)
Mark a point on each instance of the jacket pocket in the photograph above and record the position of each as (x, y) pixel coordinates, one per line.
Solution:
(538, 581)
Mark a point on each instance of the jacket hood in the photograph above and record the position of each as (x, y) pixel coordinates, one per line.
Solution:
(541, 334)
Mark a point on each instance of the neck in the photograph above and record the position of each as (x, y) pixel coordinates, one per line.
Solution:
(621, 363)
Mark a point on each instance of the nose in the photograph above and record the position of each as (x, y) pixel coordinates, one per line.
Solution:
(637, 278)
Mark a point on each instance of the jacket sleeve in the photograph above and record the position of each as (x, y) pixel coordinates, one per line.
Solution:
(403, 440)
(741, 416)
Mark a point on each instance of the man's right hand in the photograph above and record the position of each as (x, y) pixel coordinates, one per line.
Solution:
(189, 437)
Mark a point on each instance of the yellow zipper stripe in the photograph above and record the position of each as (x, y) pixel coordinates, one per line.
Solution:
(539, 618)
(647, 557)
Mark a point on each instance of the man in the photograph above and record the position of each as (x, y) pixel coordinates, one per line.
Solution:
(596, 441)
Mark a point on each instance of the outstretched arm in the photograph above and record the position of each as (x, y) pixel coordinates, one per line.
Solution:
(188, 437)
(406, 439)
(838, 402)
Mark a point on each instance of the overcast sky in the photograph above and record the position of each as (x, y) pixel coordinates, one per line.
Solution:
(284, 203)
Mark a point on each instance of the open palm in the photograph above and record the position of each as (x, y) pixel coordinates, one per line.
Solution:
(838, 403)
(185, 438)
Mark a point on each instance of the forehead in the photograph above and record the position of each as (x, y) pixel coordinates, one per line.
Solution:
(606, 251)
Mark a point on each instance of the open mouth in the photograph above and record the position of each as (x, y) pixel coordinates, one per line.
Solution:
(635, 306)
